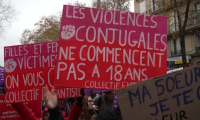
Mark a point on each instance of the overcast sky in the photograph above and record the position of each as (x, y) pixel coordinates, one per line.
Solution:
(30, 12)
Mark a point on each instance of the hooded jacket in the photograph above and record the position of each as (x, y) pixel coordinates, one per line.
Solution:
(55, 114)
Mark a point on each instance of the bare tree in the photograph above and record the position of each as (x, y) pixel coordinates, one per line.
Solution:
(181, 10)
(122, 5)
(178, 12)
(7, 14)
(47, 29)
(182, 26)
(77, 3)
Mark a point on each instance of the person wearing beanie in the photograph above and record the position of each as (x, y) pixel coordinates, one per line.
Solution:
(105, 102)
(64, 106)
(107, 115)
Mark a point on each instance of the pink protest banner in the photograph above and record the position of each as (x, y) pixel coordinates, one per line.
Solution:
(106, 49)
(7, 112)
(29, 68)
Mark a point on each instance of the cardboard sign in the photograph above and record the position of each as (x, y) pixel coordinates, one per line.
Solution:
(7, 112)
(106, 49)
(174, 96)
(1, 77)
(29, 68)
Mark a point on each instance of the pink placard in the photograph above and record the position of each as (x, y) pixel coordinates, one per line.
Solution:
(107, 49)
(28, 69)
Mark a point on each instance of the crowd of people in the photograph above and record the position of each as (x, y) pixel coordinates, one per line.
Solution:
(88, 107)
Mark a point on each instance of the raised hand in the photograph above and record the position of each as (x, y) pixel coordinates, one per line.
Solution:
(50, 98)
(96, 108)
(10, 65)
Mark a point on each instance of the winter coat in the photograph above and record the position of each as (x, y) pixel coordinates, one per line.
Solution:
(103, 103)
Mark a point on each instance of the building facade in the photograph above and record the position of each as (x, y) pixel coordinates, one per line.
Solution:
(192, 34)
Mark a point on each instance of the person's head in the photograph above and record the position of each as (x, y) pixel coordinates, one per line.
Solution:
(107, 115)
(87, 106)
(62, 103)
(88, 102)
(45, 114)
(110, 95)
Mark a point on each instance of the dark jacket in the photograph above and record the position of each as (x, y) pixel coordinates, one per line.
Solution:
(106, 105)
(103, 103)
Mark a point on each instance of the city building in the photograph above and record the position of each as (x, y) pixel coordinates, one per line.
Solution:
(192, 35)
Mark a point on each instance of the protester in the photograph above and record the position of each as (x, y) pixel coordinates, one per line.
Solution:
(50, 99)
(105, 102)
(71, 102)
(64, 106)
(88, 113)
(107, 115)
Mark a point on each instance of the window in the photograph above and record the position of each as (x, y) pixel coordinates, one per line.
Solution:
(198, 43)
(142, 7)
(156, 4)
(198, 13)
(173, 22)
(198, 39)
(198, 7)
(175, 46)
(153, 5)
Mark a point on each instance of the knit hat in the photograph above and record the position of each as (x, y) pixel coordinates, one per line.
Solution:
(107, 115)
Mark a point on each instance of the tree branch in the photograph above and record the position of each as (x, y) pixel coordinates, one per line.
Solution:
(7, 13)
(186, 14)
(178, 15)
